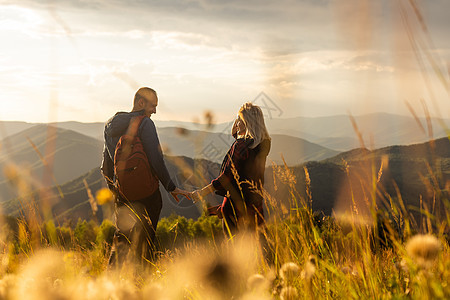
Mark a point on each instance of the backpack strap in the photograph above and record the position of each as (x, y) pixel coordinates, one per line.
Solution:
(135, 124)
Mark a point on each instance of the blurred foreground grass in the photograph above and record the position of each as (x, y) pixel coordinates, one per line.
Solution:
(301, 254)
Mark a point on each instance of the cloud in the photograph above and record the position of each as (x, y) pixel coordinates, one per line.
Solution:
(297, 49)
(235, 22)
(20, 20)
(285, 26)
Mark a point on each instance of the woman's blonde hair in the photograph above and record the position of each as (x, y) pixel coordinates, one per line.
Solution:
(253, 119)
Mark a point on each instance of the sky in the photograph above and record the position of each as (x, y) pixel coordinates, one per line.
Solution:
(83, 60)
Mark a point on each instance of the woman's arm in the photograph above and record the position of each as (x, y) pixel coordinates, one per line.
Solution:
(224, 182)
(206, 190)
(235, 160)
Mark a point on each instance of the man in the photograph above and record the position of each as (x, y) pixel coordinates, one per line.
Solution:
(136, 221)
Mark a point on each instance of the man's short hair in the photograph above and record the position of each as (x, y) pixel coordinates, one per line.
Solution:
(143, 93)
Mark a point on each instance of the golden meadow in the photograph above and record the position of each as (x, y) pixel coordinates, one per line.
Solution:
(375, 248)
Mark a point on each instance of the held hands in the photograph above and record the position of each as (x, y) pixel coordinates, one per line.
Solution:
(199, 194)
(195, 196)
(178, 191)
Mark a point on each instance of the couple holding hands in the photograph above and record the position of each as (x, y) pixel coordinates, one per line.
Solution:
(240, 179)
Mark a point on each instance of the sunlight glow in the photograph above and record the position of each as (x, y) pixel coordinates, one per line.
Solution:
(16, 19)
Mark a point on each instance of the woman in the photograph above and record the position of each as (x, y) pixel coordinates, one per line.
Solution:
(242, 173)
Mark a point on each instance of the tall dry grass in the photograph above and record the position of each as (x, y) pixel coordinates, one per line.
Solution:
(381, 254)
(298, 254)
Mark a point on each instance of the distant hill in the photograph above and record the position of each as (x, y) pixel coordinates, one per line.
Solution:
(296, 150)
(75, 201)
(73, 154)
(331, 186)
(214, 146)
(333, 132)
(417, 170)
(76, 154)
(383, 128)
(336, 132)
(94, 130)
(9, 128)
(438, 149)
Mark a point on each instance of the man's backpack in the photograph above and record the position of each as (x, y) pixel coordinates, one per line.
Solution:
(134, 176)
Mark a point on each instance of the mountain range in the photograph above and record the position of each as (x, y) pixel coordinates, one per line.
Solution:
(74, 158)
(213, 146)
(45, 156)
(417, 174)
(186, 172)
(67, 154)
(334, 132)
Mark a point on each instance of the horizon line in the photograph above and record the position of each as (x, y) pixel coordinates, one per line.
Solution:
(216, 123)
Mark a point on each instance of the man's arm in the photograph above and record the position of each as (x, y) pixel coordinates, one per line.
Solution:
(154, 153)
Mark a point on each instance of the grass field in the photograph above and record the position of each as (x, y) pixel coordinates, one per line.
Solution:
(300, 254)
(389, 251)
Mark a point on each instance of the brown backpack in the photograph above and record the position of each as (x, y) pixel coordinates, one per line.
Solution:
(135, 178)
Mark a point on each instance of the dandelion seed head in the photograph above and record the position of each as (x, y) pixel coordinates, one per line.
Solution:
(106, 288)
(310, 268)
(38, 277)
(212, 274)
(257, 282)
(423, 249)
(289, 271)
